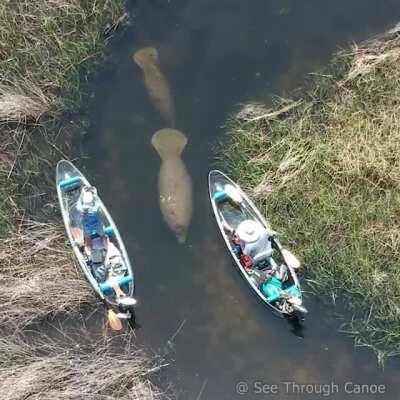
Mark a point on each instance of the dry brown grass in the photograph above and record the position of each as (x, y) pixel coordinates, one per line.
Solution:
(370, 55)
(38, 277)
(23, 102)
(47, 369)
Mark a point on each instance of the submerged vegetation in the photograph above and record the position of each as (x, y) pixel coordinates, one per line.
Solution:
(326, 170)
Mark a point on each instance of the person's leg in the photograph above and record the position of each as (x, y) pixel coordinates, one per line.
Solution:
(99, 271)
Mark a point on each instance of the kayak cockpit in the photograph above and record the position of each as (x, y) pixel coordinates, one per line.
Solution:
(94, 237)
(265, 268)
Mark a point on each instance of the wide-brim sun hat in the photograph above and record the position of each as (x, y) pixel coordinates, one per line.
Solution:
(233, 193)
(249, 231)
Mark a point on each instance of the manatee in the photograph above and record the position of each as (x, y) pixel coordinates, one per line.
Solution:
(156, 83)
(174, 182)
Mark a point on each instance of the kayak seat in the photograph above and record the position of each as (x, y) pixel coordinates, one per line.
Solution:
(98, 243)
(262, 259)
(272, 289)
(69, 184)
(220, 196)
(109, 231)
(106, 288)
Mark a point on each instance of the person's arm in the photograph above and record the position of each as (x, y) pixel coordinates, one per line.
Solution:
(227, 227)
(273, 239)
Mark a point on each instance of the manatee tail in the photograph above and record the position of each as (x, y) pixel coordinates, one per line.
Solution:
(146, 56)
(169, 142)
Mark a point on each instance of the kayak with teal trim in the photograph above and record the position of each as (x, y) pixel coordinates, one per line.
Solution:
(96, 241)
(269, 268)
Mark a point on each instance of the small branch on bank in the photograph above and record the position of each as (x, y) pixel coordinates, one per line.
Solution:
(16, 155)
(275, 114)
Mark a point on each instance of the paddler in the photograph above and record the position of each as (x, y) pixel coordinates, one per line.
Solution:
(94, 240)
(252, 240)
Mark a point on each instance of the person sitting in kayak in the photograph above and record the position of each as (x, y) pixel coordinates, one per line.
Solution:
(94, 240)
(251, 239)
(254, 241)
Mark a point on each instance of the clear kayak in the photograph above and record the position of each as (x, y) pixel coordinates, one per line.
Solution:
(273, 278)
(104, 261)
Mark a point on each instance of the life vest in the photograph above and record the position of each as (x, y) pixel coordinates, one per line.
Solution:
(91, 224)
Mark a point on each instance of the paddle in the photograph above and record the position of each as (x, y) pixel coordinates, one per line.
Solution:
(122, 299)
(290, 259)
(114, 321)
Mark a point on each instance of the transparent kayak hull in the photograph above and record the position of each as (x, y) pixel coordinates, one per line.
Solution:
(233, 216)
(68, 174)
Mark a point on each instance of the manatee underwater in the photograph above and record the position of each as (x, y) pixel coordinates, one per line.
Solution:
(156, 84)
(174, 181)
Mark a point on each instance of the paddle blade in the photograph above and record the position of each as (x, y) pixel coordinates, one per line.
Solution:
(290, 259)
(114, 321)
(300, 309)
(295, 301)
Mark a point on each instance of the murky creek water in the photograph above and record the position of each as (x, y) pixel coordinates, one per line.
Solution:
(217, 54)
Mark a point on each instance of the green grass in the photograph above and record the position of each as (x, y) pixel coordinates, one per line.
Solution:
(326, 172)
(51, 45)
(47, 50)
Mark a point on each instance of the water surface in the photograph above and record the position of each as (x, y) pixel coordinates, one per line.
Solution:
(194, 306)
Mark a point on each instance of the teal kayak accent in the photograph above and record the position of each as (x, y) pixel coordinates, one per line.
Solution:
(70, 184)
(109, 231)
(293, 291)
(272, 289)
(220, 196)
(107, 288)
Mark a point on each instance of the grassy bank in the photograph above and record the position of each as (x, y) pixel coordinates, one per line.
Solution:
(326, 170)
(47, 50)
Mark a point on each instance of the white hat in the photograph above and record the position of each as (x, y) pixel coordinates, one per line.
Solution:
(249, 231)
(88, 197)
(233, 193)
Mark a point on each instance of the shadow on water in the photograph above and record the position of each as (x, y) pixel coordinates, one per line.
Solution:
(193, 304)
